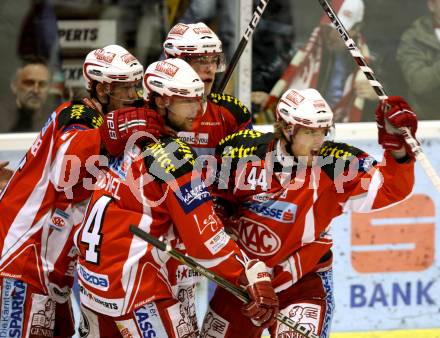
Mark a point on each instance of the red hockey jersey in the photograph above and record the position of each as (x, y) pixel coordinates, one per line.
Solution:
(45, 198)
(286, 208)
(224, 115)
(159, 192)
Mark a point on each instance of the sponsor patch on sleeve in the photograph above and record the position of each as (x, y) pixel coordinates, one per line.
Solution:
(217, 242)
(191, 195)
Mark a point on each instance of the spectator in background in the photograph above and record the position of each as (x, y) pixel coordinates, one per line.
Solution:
(383, 36)
(39, 37)
(30, 87)
(325, 64)
(276, 29)
(207, 10)
(419, 57)
(39, 33)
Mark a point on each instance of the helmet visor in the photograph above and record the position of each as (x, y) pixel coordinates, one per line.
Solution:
(205, 60)
(125, 91)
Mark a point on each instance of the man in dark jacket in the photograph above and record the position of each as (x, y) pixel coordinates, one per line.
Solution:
(419, 57)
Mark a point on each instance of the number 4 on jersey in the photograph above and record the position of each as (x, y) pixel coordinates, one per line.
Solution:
(91, 232)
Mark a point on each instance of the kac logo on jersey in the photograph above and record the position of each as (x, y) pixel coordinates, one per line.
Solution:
(95, 280)
(258, 238)
(59, 220)
(191, 195)
(279, 211)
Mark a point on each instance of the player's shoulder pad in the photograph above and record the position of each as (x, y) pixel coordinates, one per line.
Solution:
(77, 113)
(245, 143)
(240, 112)
(335, 158)
(169, 158)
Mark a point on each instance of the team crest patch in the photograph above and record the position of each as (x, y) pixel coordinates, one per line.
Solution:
(258, 238)
(59, 220)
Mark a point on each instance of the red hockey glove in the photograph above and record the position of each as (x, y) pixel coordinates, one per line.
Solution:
(263, 307)
(392, 114)
(120, 124)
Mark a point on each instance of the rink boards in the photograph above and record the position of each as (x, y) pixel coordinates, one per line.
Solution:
(386, 270)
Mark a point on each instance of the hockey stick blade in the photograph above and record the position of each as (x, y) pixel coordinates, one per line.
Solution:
(378, 88)
(236, 291)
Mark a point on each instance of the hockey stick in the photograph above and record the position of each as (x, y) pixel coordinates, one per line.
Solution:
(236, 291)
(242, 45)
(362, 63)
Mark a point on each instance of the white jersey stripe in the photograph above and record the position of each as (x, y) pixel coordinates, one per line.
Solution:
(364, 202)
(138, 249)
(309, 226)
(57, 236)
(21, 229)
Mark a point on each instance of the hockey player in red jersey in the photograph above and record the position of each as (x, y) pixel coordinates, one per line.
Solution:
(285, 198)
(223, 114)
(46, 197)
(124, 282)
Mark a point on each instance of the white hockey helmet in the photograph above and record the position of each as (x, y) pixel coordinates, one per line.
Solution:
(192, 40)
(110, 64)
(172, 77)
(304, 107)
